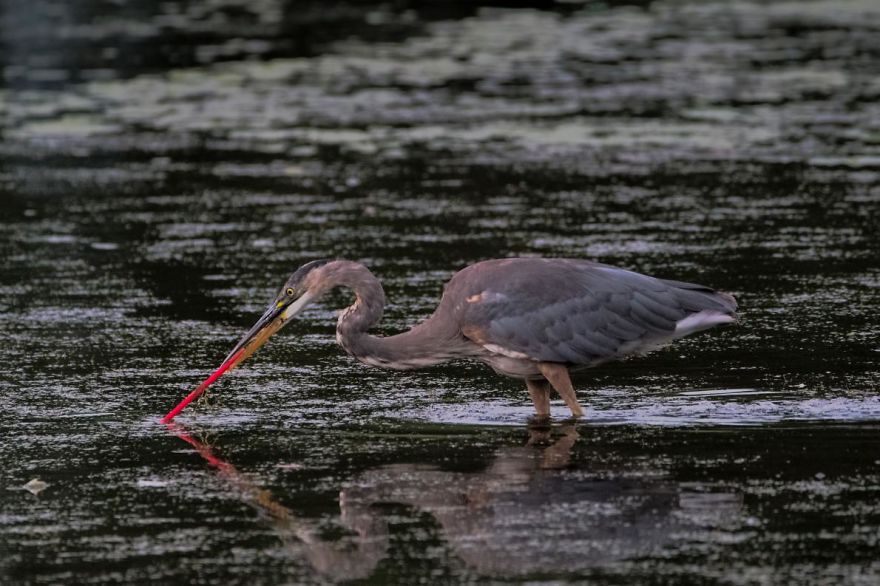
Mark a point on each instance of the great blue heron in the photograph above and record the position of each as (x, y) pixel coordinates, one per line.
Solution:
(528, 318)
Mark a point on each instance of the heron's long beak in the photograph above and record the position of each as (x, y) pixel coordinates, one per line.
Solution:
(278, 314)
(275, 318)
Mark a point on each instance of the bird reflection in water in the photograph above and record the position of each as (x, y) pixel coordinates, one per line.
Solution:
(528, 512)
(346, 559)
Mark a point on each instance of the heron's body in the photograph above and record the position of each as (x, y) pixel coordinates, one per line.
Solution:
(529, 318)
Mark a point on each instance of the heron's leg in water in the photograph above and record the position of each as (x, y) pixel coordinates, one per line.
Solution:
(557, 374)
(540, 392)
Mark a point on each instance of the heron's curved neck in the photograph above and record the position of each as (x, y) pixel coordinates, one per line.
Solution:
(412, 349)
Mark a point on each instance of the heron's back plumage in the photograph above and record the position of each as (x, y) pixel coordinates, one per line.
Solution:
(576, 312)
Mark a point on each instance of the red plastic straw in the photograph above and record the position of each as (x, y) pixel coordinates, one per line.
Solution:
(202, 387)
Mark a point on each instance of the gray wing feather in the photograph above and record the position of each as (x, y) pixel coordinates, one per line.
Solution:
(570, 311)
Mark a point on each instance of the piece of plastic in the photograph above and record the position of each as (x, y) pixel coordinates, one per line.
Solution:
(202, 387)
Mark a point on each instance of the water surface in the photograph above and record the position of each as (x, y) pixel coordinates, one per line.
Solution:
(163, 169)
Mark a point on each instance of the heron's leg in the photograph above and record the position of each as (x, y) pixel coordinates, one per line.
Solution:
(557, 375)
(540, 392)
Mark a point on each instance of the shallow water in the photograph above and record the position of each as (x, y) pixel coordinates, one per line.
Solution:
(163, 169)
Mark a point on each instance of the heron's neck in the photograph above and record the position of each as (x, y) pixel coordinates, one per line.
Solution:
(418, 347)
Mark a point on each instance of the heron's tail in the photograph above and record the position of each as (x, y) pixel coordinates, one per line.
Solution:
(706, 307)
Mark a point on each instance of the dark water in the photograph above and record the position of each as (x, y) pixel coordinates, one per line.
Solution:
(162, 169)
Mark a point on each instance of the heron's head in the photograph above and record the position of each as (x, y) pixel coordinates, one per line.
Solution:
(300, 289)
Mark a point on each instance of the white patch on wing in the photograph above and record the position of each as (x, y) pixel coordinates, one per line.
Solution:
(496, 349)
(693, 323)
(701, 321)
(487, 296)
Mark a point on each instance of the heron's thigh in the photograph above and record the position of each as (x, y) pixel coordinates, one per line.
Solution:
(540, 393)
(557, 375)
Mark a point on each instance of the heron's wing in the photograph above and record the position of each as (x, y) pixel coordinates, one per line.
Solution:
(583, 313)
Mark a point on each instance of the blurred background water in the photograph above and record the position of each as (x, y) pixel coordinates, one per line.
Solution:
(164, 166)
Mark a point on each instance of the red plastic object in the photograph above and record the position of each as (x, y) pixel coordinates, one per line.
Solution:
(202, 387)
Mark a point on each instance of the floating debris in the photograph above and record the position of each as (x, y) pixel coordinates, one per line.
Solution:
(35, 486)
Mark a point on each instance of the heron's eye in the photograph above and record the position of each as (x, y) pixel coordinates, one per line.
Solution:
(290, 291)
